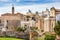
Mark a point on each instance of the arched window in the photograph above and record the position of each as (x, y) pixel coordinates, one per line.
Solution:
(33, 18)
(27, 19)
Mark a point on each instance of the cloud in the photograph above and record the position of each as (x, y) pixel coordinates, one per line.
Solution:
(36, 7)
(30, 0)
(26, 2)
(41, 0)
(17, 0)
(56, 0)
(4, 0)
(33, 8)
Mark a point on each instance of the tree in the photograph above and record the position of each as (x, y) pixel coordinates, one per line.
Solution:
(21, 29)
(33, 28)
(49, 37)
(57, 29)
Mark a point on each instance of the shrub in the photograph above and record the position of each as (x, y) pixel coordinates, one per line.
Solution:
(21, 29)
(34, 28)
(50, 37)
(57, 28)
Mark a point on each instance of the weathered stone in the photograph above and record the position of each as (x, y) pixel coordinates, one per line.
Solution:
(33, 35)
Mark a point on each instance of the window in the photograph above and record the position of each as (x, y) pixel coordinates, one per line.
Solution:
(28, 16)
(27, 19)
(33, 18)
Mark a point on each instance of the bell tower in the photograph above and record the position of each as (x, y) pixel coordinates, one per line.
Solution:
(12, 8)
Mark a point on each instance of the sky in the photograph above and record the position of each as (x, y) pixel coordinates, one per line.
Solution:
(23, 6)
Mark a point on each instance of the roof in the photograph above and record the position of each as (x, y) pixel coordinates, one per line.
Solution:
(9, 14)
(57, 10)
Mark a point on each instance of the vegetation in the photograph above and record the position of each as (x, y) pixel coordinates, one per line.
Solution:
(49, 37)
(21, 29)
(57, 28)
(34, 28)
(4, 38)
(10, 39)
(39, 38)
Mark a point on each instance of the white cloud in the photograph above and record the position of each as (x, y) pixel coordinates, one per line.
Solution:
(31, 0)
(4, 0)
(56, 0)
(45, 0)
(36, 7)
(33, 8)
(17, 0)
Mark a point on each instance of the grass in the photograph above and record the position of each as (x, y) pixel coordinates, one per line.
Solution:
(4, 38)
(10, 39)
(40, 38)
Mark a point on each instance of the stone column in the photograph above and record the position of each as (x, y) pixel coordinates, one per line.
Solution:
(33, 35)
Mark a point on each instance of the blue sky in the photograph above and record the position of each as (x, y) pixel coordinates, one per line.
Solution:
(23, 5)
(26, 2)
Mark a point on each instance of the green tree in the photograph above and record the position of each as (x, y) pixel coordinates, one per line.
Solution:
(57, 29)
(49, 37)
(19, 29)
(34, 28)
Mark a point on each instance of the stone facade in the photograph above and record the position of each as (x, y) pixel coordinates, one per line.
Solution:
(33, 35)
(44, 22)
